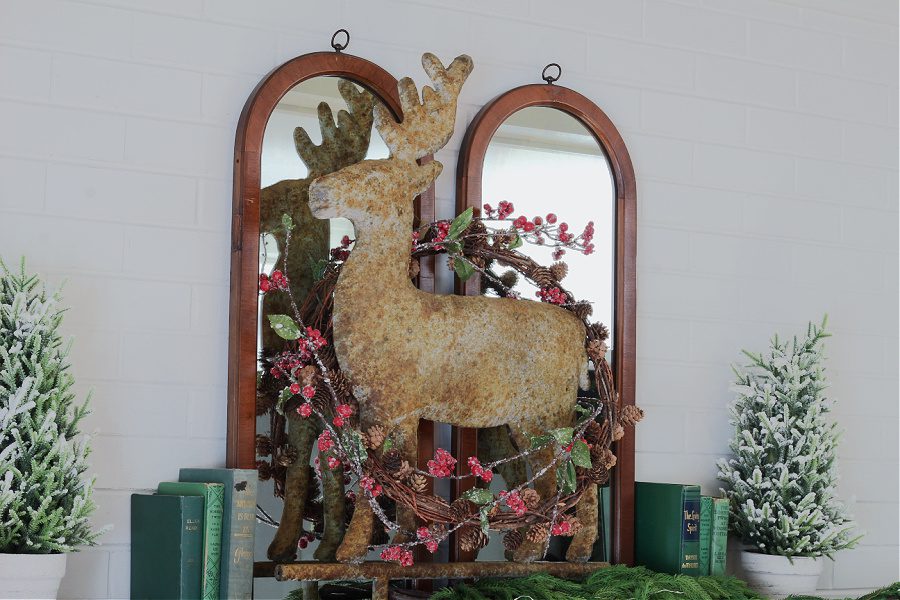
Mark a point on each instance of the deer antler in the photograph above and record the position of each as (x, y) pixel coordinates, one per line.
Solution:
(344, 144)
(426, 127)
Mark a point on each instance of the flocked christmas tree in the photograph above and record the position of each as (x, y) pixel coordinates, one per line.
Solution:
(781, 478)
(45, 499)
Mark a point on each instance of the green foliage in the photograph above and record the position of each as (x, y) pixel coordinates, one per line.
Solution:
(460, 223)
(284, 326)
(45, 500)
(781, 478)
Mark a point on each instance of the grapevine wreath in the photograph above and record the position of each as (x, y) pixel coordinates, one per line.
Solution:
(307, 378)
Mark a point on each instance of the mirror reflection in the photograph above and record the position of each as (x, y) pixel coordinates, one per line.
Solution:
(320, 126)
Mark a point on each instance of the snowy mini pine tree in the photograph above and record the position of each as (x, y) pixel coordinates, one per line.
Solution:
(781, 478)
(45, 501)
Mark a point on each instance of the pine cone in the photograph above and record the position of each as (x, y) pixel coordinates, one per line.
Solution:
(618, 432)
(583, 310)
(264, 470)
(308, 375)
(596, 350)
(263, 445)
(530, 497)
(413, 270)
(392, 460)
(404, 471)
(559, 270)
(418, 482)
(341, 384)
(538, 533)
(513, 539)
(598, 331)
(460, 510)
(542, 277)
(598, 474)
(327, 356)
(322, 400)
(472, 538)
(592, 433)
(509, 279)
(630, 414)
(287, 455)
(374, 437)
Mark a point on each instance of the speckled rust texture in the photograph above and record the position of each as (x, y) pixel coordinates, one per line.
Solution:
(343, 144)
(468, 361)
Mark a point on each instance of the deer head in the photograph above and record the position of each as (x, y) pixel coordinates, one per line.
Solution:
(370, 191)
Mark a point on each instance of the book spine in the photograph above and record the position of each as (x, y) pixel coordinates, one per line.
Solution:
(706, 515)
(719, 538)
(690, 531)
(191, 551)
(215, 499)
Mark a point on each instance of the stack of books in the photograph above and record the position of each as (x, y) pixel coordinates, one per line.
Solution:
(678, 531)
(194, 537)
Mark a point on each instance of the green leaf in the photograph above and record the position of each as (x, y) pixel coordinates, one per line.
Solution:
(563, 435)
(515, 243)
(318, 268)
(565, 477)
(387, 445)
(483, 517)
(581, 455)
(287, 222)
(283, 397)
(460, 223)
(355, 445)
(452, 247)
(478, 495)
(463, 268)
(284, 326)
(540, 440)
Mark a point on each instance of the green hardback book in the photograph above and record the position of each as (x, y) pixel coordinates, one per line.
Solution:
(718, 548)
(166, 547)
(213, 495)
(667, 527)
(706, 514)
(238, 527)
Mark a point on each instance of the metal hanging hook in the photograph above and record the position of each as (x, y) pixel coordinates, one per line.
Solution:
(550, 78)
(337, 45)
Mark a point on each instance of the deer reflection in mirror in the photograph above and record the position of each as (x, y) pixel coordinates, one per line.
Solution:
(344, 142)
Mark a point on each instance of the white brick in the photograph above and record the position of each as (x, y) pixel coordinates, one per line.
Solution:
(415, 30)
(694, 28)
(761, 9)
(863, 438)
(743, 170)
(113, 508)
(114, 194)
(224, 96)
(621, 104)
(794, 47)
(794, 133)
(748, 82)
(875, 10)
(866, 567)
(863, 394)
(789, 218)
(661, 430)
(721, 342)
(691, 207)
(871, 60)
(120, 573)
(209, 308)
(682, 385)
(879, 521)
(86, 574)
(55, 132)
(174, 358)
(95, 354)
(667, 249)
(763, 260)
(91, 246)
(190, 8)
(557, 45)
(659, 67)
(190, 149)
(138, 410)
(842, 98)
(25, 73)
(696, 119)
(685, 468)
(662, 338)
(121, 86)
(621, 19)
(854, 185)
(142, 462)
(835, 23)
(207, 413)
(874, 145)
(867, 480)
(214, 200)
(664, 158)
(182, 254)
(838, 268)
(23, 184)
(202, 45)
(867, 228)
(707, 432)
(67, 26)
(684, 296)
(279, 14)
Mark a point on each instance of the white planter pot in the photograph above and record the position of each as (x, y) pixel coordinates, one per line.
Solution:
(31, 575)
(777, 577)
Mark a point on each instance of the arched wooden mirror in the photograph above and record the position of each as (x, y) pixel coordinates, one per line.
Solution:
(548, 149)
(309, 117)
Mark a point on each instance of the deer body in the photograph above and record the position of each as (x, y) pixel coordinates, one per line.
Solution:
(466, 361)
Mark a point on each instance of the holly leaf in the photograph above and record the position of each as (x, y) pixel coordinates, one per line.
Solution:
(463, 268)
(515, 243)
(483, 517)
(478, 496)
(460, 223)
(540, 440)
(581, 455)
(283, 397)
(563, 435)
(287, 222)
(452, 247)
(356, 448)
(284, 326)
(565, 477)
(318, 268)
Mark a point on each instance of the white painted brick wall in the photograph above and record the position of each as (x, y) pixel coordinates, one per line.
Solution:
(764, 134)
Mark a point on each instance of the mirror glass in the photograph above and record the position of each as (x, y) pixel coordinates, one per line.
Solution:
(546, 162)
(320, 126)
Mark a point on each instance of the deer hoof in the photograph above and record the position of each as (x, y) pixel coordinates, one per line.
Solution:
(346, 554)
(528, 552)
(582, 547)
(327, 550)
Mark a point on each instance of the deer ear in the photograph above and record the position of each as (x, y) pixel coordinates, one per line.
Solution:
(424, 175)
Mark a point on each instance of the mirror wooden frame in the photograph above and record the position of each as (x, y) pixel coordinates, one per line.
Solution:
(468, 194)
(243, 309)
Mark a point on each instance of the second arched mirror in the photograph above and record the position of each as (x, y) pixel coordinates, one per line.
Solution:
(549, 153)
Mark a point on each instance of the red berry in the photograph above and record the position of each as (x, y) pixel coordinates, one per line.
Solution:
(538, 221)
(563, 226)
(308, 391)
(551, 218)
(302, 543)
(528, 226)
(295, 388)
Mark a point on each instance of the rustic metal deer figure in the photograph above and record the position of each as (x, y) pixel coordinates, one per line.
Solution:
(467, 361)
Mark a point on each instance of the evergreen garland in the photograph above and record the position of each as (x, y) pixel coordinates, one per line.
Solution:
(45, 501)
(781, 478)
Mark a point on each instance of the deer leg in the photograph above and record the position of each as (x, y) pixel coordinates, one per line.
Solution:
(301, 435)
(545, 485)
(355, 545)
(587, 511)
(407, 441)
(334, 511)
(495, 443)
